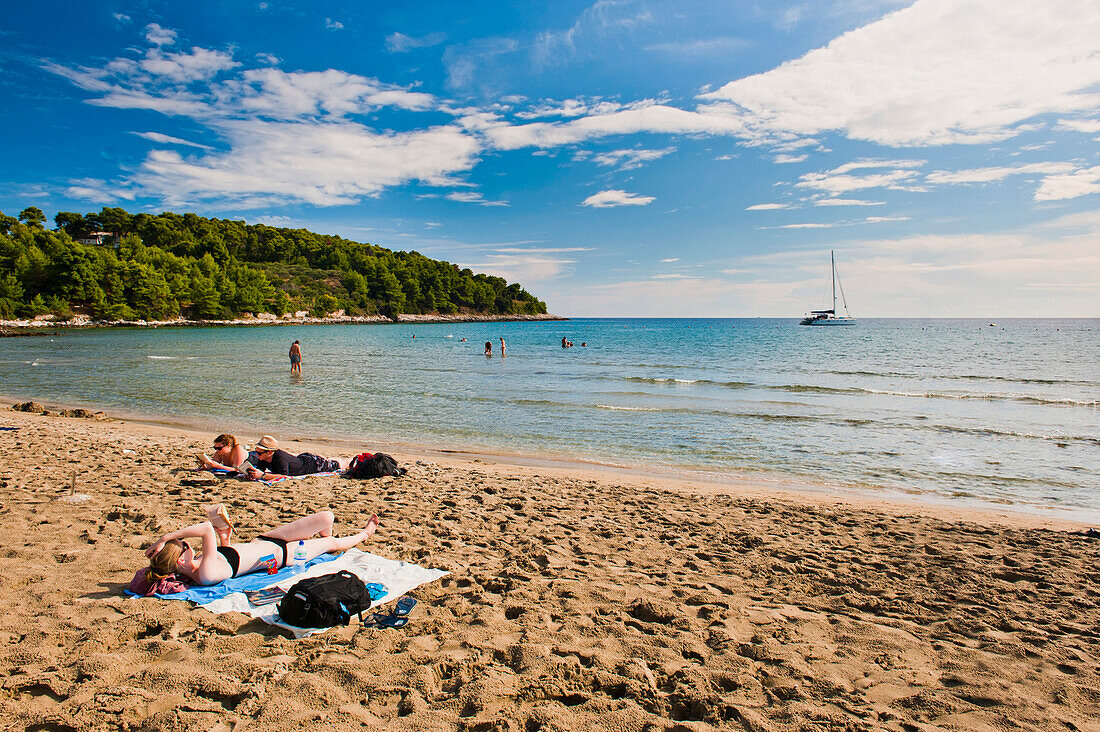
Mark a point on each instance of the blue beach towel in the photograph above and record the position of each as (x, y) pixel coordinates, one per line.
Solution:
(256, 581)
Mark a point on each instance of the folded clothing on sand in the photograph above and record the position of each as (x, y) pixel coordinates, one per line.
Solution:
(144, 585)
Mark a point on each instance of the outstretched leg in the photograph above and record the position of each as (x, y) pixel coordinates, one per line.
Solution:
(328, 544)
(319, 523)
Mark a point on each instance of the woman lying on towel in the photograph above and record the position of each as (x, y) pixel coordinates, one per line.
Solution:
(228, 454)
(171, 555)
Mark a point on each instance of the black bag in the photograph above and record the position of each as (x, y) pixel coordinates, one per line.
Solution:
(375, 465)
(325, 601)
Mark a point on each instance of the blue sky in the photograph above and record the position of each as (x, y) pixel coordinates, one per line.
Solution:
(617, 157)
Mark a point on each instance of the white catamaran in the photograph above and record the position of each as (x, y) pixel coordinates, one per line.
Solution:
(829, 317)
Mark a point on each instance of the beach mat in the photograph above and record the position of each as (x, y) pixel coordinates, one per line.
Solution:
(396, 576)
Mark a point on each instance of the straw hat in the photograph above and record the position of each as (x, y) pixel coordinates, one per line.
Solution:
(267, 442)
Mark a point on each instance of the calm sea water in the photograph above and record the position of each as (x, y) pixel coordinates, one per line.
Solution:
(946, 409)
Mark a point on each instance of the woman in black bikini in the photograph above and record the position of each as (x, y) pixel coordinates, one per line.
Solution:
(221, 560)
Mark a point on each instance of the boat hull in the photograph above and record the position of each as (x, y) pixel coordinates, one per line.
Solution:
(827, 321)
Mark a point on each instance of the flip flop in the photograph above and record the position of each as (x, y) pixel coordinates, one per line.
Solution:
(404, 606)
(389, 621)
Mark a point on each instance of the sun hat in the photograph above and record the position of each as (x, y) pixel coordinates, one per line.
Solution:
(267, 442)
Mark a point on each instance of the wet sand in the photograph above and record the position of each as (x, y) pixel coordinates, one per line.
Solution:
(577, 599)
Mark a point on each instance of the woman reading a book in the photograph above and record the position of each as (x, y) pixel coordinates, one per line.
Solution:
(228, 454)
(220, 559)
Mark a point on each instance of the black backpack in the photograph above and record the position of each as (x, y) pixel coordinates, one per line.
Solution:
(321, 602)
(376, 465)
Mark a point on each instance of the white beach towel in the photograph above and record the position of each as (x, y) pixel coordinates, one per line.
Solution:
(396, 576)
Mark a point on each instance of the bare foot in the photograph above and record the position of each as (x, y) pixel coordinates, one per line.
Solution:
(372, 525)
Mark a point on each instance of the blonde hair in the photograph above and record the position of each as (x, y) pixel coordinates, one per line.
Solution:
(163, 563)
(229, 440)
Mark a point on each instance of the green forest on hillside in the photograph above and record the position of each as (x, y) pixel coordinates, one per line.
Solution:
(161, 267)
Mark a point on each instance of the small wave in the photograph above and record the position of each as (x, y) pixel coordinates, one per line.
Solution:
(1026, 398)
(671, 380)
(968, 377)
(992, 432)
(164, 358)
(807, 389)
(629, 409)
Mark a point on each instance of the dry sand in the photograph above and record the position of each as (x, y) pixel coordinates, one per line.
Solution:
(576, 601)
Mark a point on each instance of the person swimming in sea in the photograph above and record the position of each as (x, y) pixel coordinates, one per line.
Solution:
(488, 348)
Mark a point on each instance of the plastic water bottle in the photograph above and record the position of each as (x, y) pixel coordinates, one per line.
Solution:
(301, 556)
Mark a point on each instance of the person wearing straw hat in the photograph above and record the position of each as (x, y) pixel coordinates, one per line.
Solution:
(273, 463)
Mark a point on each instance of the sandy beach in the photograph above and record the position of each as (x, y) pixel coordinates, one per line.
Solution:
(577, 600)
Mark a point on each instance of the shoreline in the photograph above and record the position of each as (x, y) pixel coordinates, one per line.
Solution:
(9, 328)
(781, 486)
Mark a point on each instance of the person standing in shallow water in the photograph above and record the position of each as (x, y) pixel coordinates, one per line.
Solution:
(295, 359)
(502, 346)
(488, 348)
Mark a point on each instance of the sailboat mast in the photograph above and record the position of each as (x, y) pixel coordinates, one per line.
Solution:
(832, 261)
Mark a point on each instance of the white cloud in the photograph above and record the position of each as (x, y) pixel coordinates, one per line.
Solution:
(937, 72)
(526, 268)
(989, 175)
(157, 35)
(284, 94)
(630, 159)
(654, 118)
(872, 163)
(268, 58)
(670, 260)
(401, 43)
(122, 18)
(333, 25)
(846, 202)
(288, 135)
(578, 107)
(612, 198)
(169, 140)
(472, 197)
(197, 65)
(785, 158)
(835, 184)
(768, 206)
(1071, 185)
(1088, 126)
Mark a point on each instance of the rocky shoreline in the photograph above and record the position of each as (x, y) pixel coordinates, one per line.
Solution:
(36, 325)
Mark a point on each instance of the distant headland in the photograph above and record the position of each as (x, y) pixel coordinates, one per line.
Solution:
(114, 268)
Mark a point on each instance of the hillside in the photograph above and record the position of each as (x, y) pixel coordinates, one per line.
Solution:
(114, 265)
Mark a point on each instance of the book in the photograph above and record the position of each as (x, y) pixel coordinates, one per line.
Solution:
(265, 597)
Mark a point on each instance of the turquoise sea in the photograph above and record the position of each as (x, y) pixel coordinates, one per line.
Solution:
(961, 411)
